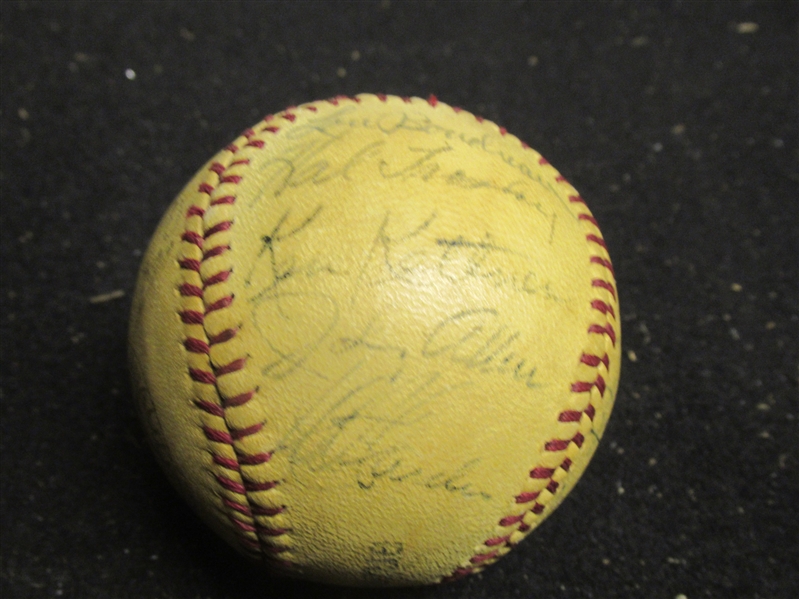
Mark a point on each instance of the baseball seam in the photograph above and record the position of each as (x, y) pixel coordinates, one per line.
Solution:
(545, 480)
(239, 466)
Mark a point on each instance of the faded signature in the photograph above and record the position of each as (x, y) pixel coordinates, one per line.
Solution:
(352, 427)
(372, 392)
(310, 160)
(478, 339)
(415, 255)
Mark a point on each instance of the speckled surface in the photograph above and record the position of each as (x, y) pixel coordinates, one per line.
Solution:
(676, 121)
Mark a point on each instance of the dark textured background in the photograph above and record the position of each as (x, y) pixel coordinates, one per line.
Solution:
(675, 120)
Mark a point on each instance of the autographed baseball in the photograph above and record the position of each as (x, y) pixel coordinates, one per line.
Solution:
(375, 341)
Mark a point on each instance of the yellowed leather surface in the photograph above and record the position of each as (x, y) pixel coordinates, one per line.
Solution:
(409, 299)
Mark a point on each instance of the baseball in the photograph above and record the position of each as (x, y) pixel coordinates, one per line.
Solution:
(375, 341)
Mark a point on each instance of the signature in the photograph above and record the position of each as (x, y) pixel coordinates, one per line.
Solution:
(281, 290)
(352, 428)
(334, 147)
(478, 340)
(416, 255)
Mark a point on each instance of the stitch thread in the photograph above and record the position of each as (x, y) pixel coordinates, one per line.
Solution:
(538, 500)
(235, 486)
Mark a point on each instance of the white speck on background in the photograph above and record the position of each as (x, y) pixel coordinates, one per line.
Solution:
(747, 27)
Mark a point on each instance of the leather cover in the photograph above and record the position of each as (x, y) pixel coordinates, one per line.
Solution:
(376, 341)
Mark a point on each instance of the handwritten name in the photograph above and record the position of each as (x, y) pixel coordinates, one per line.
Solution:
(315, 157)
(479, 340)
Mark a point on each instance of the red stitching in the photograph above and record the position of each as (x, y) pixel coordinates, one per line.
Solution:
(238, 400)
(556, 445)
(571, 415)
(242, 525)
(219, 304)
(223, 336)
(225, 433)
(603, 307)
(580, 387)
(541, 472)
(510, 520)
(217, 228)
(566, 416)
(606, 330)
(255, 458)
(219, 277)
(267, 511)
(481, 557)
(196, 346)
(238, 507)
(211, 408)
(256, 486)
(223, 200)
(597, 240)
(190, 264)
(202, 376)
(189, 290)
(228, 463)
(603, 262)
(241, 433)
(192, 317)
(215, 251)
(218, 436)
(193, 238)
(233, 366)
(527, 497)
(589, 218)
(231, 485)
(600, 384)
(604, 285)
(593, 360)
